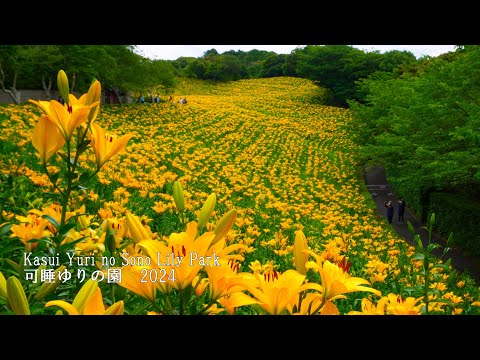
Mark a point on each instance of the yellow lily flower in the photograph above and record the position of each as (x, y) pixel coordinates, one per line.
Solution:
(224, 280)
(54, 210)
(105, 146)
(369, 308)
(396, 305)
(329, 309)
(31, 228)
(66, 119)
(336, 281)
(309, 303)
(276, 292)
(46, 139)
(88, 301)
(180, 245)
(131, 280)
(231, 301)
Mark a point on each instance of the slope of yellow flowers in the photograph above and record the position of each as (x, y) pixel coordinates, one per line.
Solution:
(266, 148)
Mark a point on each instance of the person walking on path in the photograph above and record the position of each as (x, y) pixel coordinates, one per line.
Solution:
(401, 210)
(389, 206)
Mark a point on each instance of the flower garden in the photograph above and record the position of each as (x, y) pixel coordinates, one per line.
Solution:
(247, 200)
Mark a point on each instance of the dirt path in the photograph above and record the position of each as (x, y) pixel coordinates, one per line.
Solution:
(376, 181)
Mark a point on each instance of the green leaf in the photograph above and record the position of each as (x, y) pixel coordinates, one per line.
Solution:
(442, 266)
(13, 264)
(71, 176)
(84, 177)
(63, 156)
(417, 256)
(54, 177)
(410, 228)
(111, 246)
(67, 246)
(432, 246)
(450, 239)
(5, 228)
(418, 241)
(53, 221)
(83, 146)
(66, 228)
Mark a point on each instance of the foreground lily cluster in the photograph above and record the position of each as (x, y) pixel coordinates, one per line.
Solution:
(290, 234)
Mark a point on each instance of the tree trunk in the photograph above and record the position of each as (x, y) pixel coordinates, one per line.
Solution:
(118, 96)
(14, 94)
(46, 89)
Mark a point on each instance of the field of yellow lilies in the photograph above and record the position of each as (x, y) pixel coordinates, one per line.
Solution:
(247, 200)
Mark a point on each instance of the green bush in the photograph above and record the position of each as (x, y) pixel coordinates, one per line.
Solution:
(458, 214)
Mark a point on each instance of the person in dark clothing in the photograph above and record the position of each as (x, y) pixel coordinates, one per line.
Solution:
(401, 210)
(389, 207)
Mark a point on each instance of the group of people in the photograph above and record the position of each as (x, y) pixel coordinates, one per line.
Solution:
(155, 99)
(390, 210)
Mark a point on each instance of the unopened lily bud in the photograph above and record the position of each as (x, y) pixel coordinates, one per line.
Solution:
(116, 309)
(93, 96)
(48, 288)
(16, 297)
(207, 210)
(103, 227)
(136, 229)
(300, 258)
(178, 196)
(224, 225)
(200, 288)
(3, 286)
(84, 221)
(85, 293)
(94, 92)
(63, 88)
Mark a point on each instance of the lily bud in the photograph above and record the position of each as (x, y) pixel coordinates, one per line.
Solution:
(94, 92)
(207, 210)
(136, 229)
(200, 287)
(93, 95)
(223, 226)
(178, 196)
(300, 244)
(48, 288)
(63, 88)
(3, 286)
(16, 297)
(115, 309)
(85, 293)
(83, 221)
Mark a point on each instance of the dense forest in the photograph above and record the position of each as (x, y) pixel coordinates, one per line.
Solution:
(118, 68)
(416, 117)
(424, 127)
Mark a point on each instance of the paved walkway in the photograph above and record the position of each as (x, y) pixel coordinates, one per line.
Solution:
(377, 184)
